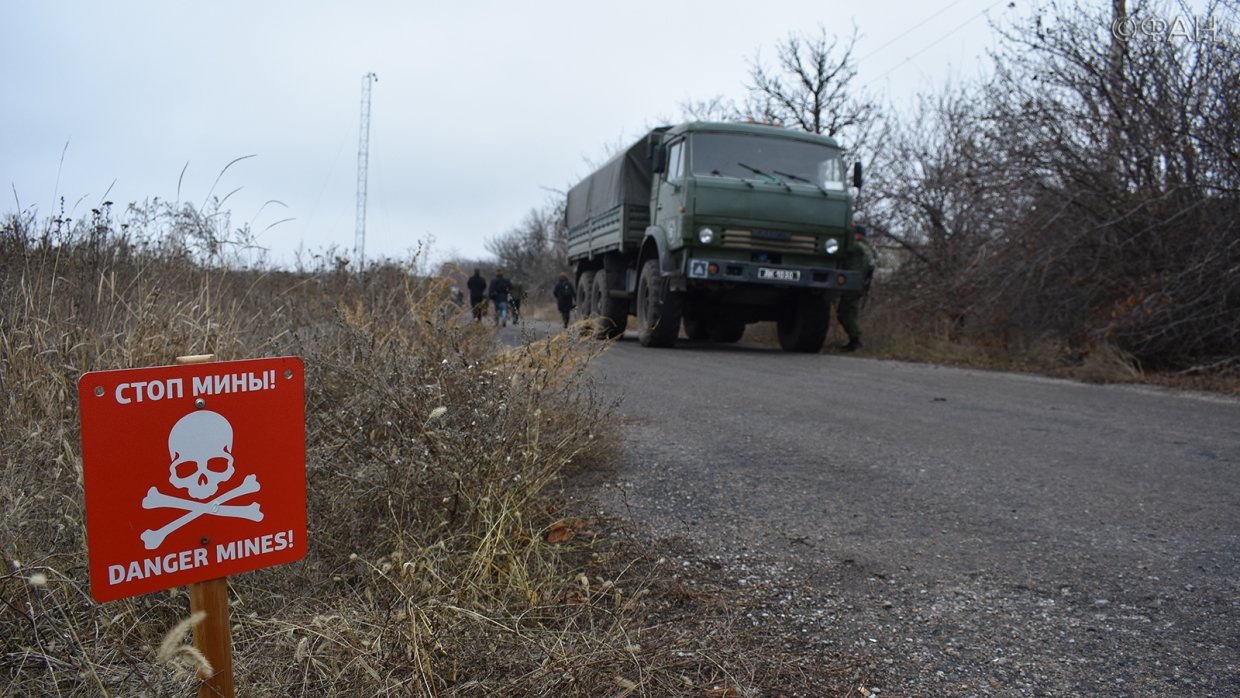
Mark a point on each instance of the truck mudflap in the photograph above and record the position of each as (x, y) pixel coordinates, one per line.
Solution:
(731, 271)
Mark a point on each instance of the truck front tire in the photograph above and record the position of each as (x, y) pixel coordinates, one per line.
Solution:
(658, 309)
(612, 314)
(804, 327)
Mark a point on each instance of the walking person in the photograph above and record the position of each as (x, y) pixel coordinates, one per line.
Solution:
(500, 288)
(515, 298)
(477, 294)
(564, 296)
(848, 309)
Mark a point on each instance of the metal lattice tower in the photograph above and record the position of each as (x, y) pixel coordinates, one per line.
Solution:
(363, 161)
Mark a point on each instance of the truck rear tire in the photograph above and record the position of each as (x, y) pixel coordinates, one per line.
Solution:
(727, 331)
(611, 314)
(585, 290)
(804, 327)
(658, 310)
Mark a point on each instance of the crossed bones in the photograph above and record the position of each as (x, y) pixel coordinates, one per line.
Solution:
(193, 509)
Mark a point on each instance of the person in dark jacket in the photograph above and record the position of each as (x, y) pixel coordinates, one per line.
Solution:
(848, 308)
(477, 294)
(515, 298)
(564, 296)
(500, 288)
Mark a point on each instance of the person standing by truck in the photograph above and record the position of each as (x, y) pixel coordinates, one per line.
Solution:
(500, 288)
(848, 309)
(477, 293)
(564, 296)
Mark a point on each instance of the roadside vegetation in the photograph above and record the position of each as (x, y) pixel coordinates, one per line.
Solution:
(1077, 209)
(442, 559)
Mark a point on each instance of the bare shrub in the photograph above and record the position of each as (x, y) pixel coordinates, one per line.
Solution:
(1087, 194)
(1132, 188)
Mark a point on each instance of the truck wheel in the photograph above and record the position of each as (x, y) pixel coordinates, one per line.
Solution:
(612, 313)
(804, 327)
(727, 331)
(696, 329)
(658, 310)
(585, 289)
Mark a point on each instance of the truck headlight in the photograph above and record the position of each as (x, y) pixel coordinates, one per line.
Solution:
(831, 246)
(706, 236)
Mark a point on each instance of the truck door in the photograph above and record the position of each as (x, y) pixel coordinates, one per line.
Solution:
(670, 197)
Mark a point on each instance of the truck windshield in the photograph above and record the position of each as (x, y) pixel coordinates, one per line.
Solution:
(739, 154)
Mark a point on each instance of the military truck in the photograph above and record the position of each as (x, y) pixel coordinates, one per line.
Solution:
(714, 225)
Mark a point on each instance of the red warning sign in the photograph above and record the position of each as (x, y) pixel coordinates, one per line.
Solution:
(192, 472)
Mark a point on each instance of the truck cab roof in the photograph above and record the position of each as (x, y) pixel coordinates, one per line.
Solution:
(744, 127)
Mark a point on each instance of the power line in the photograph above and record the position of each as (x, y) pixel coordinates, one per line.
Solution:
(908, 31)
(934, 43)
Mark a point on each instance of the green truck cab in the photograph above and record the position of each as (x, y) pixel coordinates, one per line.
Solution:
(715, 225)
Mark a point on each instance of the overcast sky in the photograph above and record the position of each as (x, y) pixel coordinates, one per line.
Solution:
(479, 106)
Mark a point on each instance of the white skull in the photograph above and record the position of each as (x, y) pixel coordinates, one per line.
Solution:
(200, 446)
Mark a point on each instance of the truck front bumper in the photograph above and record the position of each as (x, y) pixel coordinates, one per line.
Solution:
(731, 271)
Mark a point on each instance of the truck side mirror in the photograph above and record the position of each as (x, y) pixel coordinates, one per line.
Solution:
(857, 174)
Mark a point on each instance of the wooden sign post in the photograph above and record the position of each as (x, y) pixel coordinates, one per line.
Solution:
(213, 634)
(193, 473)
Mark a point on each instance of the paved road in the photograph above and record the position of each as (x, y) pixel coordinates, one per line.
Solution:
(987, 533)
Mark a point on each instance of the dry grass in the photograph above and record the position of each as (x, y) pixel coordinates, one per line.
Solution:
(439, 564)
(893, 329)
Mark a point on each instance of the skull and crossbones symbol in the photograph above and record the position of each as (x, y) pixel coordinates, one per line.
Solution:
(200, 449)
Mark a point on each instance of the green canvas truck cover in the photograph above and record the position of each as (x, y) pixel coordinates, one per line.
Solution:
(625, 179)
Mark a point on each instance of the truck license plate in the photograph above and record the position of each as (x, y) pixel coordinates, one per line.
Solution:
(779, 274)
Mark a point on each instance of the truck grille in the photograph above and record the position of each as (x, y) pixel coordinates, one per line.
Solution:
(770, 240)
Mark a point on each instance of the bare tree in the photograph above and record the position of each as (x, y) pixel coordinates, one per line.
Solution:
(1091, 190)
(934, 191)
(1088, 192)
(810, 87)
(717, 108)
